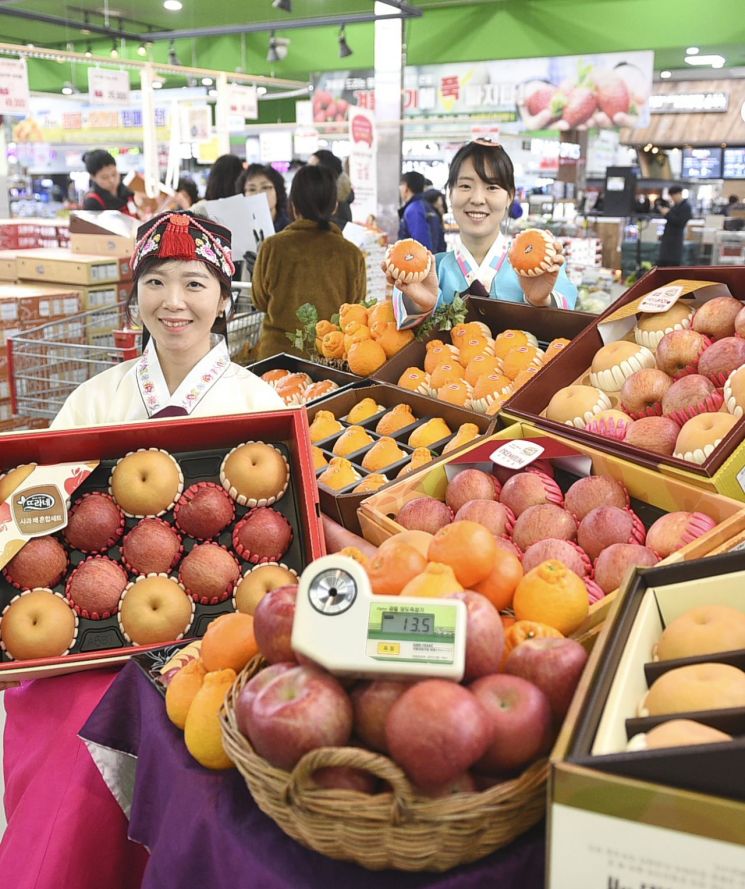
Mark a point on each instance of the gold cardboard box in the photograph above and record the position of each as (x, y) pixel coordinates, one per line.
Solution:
(64, 266)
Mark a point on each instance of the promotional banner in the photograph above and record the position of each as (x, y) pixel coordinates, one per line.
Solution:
(197, 123)
(605, 90)
(108, 87)
(362, 160)
(14, 95)
(243, 101)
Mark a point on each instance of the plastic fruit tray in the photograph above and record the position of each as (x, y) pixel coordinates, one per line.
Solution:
(316, 372)
(199, 446)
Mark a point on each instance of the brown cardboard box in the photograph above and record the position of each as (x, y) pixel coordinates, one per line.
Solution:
(102, 245)
(721, 472)
(672, 817)
(24, 302)
(64, 266)
(343, 505)
(8, 265)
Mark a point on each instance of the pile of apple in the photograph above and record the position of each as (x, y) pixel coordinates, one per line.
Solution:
(590, 529)
(447, 737)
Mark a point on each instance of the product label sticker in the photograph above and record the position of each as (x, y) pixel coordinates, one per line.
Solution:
(662, 299)
(39, 510)
(516, 454)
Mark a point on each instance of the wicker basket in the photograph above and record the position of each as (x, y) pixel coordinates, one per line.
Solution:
(387, 830)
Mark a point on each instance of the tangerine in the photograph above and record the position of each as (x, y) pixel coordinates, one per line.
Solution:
(437, 352)
(446, 372)
(393, 567)
(332, 345)
(355, 333)
(349, 312)
(182, 690)
(229, 642)
(481, 366)
(420, 540)
(500, 583)
(355, 554)
(381, 312)
(468, 548)
(521, 630)
(437, 580)
(552, 594)
(365, 357)
(473, 346)
(392, 339)
(202, 732)
(408, 260)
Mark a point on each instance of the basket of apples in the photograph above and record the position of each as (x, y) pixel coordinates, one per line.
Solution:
(414, 775)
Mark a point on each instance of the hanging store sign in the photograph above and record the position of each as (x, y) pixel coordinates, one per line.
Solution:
(197, 124)
(688, 103)
(604, 91)
(243, 101)
(362, 162)
(108, 87)
(14, 95)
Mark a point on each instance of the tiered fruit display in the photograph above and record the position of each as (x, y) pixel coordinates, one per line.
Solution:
(447, 737)
(676, 389)
(477, 371)
(591, 529)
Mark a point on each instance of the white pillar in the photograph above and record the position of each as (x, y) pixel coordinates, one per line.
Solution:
(149, 137)
(222, 114)
(389, 63)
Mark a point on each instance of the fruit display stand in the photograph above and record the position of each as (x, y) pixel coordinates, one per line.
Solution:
(721, 471)
(652, 495)
(199, 445)
(342, 505)
(672, 816)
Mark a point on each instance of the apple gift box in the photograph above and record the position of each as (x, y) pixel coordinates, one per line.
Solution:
(342, 505)
(681, 806)
(722, 470)
(199, 446)
(652, 495)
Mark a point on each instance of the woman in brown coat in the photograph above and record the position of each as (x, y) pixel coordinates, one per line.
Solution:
(308, 262)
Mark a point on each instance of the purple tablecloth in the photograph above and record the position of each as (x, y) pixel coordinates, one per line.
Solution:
(203, 829)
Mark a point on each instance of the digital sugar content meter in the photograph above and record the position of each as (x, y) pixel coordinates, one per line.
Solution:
(342, 626)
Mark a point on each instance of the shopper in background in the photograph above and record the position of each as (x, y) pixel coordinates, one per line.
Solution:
(107, 191)
(260, 179)
(437, 200)
(481, 185)
(418, 218)
(187, 193)
(65, 829)
(221, 182)
(676, 216)
(732, 200)
(344, 192)
(309, 262)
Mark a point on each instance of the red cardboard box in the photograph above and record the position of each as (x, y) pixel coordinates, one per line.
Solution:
(185, 439)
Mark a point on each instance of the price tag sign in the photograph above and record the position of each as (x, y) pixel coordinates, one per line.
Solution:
(243, 101)
(516, 454)
(14, 96)
(108, 87)
(662, 299)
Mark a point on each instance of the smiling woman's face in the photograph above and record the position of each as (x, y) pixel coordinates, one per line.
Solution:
(478, 206)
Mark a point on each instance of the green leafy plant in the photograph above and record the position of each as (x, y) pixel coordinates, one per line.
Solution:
(444, 319)
(304, 337)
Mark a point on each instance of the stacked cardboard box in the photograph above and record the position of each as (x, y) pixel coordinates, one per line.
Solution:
(29, 234)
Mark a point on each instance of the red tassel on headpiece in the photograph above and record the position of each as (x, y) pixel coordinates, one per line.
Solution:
(176, 242)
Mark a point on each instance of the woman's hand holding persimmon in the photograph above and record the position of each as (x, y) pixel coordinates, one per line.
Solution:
(422, 295)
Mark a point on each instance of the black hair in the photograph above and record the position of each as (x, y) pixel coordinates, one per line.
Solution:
(329, 160)
(733, 199)
(491, 162)
(674, 189)
(431, 195)
(413, 181)
(190, 187)
(275, 177)
(96, 160)
(221, 180)
(313, 195)
(151, 264)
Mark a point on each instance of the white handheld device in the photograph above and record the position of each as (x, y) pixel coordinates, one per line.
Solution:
(342, 626)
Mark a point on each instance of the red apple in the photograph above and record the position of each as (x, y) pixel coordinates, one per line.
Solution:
(464, 783)
(484, 635)
(372, 702)
(299, 710)
(436, 730)
(519, 714)
(344, 778)
(716, 317)
(273, 624)
(471, 484)
(252, 688)
(554, 665)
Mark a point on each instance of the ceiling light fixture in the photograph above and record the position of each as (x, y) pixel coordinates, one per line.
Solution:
(142, 50)
(261, 91)
(85, 29)
(714, 61)
(173, 59)
(88, 49)
(114, 51)
(68, 89)
(173, 5)
(665, 75)
(207, 81)
(157, 84)
(692, 51)
(277, 48)
(344, 48)
(284, 5)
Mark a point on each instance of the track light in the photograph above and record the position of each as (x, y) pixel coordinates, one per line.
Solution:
(85, 29)
(114, 51)
(173, 59)
(344, 48)
(284, 5)
(277, 48)
(68, 89)
(88, 49)
(142, 50)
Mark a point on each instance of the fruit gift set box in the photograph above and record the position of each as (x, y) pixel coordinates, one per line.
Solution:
(120, 529)
(572, 521)
(479, 364)
(659, 380)
(412, 428)
(299, 381)
(650, 754)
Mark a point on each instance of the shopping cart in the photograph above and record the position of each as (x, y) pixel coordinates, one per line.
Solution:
(46, 363)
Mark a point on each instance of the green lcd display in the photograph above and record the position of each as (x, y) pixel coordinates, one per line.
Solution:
(401, 622)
